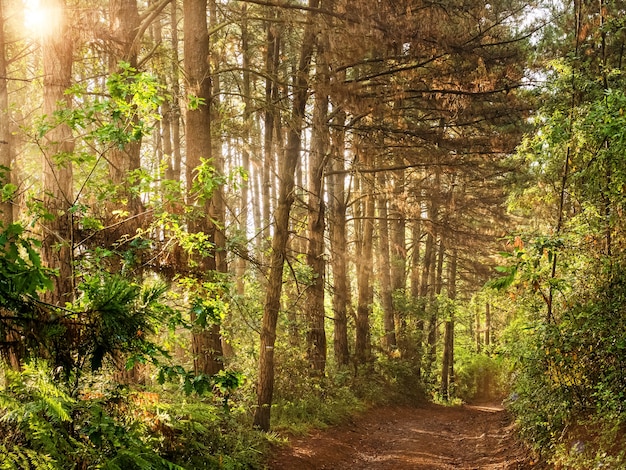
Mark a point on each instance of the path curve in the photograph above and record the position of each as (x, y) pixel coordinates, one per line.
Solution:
(432, 437)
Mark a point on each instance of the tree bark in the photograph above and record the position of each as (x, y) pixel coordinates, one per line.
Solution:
(58, 234)
(397, 236)
(6, 163)
(386, 298)
(337, 229)
(447, 369)
(174, 166)
(257, 198)
(479, 332)
(11, 333)
(245, 151)
(362, 346)
(409, 330)
(433, 320)
(123, 160)
(425, 289)
(316, 333)
(217, 204)
(487, 324)
(206, 342)
(272, 56)
(265, 387)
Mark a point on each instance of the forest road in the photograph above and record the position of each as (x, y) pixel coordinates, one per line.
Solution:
(477, 437)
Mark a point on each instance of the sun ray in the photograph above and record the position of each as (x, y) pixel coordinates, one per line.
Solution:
(40, 19)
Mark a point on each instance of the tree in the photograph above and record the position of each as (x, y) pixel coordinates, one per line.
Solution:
(316, 216)
(364, 227)
(338, 243)
(207, 349)
(566, 266)
(265, 387)
(6, 204)
(447, 366)
(57, 148)
(124, 158)
(386, 293)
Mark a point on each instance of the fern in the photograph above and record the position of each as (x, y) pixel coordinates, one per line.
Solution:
(120, 315)
(16, 458)
(131, 460)
(42, 427)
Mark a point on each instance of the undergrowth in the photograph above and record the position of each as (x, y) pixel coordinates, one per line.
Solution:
(304, 402)
(112, 427)
(569, 397)
(45, 425)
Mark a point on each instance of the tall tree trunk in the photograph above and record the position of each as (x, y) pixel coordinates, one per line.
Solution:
(316, 333)
(265, 387)
(245, 151)
(389, 340)
(433, 320)
(362, 346)
(272, 56)
(257, 198)
(11, 335)
(407, 349)
(487, 324)
(447, 368)
(337, 229)
(217, 212)
(58, 234)
(170, 124)
(436, 274)
(206, 343)
(397, 236)
(479, 332)
(124, 159)
(6, 206)
(426, 286)
(217, 204)
(174, 167)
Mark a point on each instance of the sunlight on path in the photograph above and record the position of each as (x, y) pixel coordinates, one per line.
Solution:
(433, 437)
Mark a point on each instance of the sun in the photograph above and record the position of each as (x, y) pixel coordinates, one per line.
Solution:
(41, 17)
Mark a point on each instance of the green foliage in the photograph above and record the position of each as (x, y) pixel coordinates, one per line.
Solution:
(21, 271)
(480, 376)
(303, 402)
(199, 435)
(209, 303)
(43, 427)
(209, 311)
(531, 265)
(120, 316)
(23, 329)
(225, 382)
(194, 102)
(569, 365)
(207, 180)
(125, 116)
(7, 189)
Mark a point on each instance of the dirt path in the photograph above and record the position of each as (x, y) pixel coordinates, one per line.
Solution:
(432, 437)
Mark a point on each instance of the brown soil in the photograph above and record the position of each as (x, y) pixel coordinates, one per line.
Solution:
(430, 437)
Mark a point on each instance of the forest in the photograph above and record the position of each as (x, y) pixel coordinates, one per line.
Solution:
(228, 221)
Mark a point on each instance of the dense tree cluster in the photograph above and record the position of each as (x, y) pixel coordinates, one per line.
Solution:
(299, 189)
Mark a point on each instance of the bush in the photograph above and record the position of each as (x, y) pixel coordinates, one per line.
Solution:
(571, 373)
(43, 426)
(481, 377)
